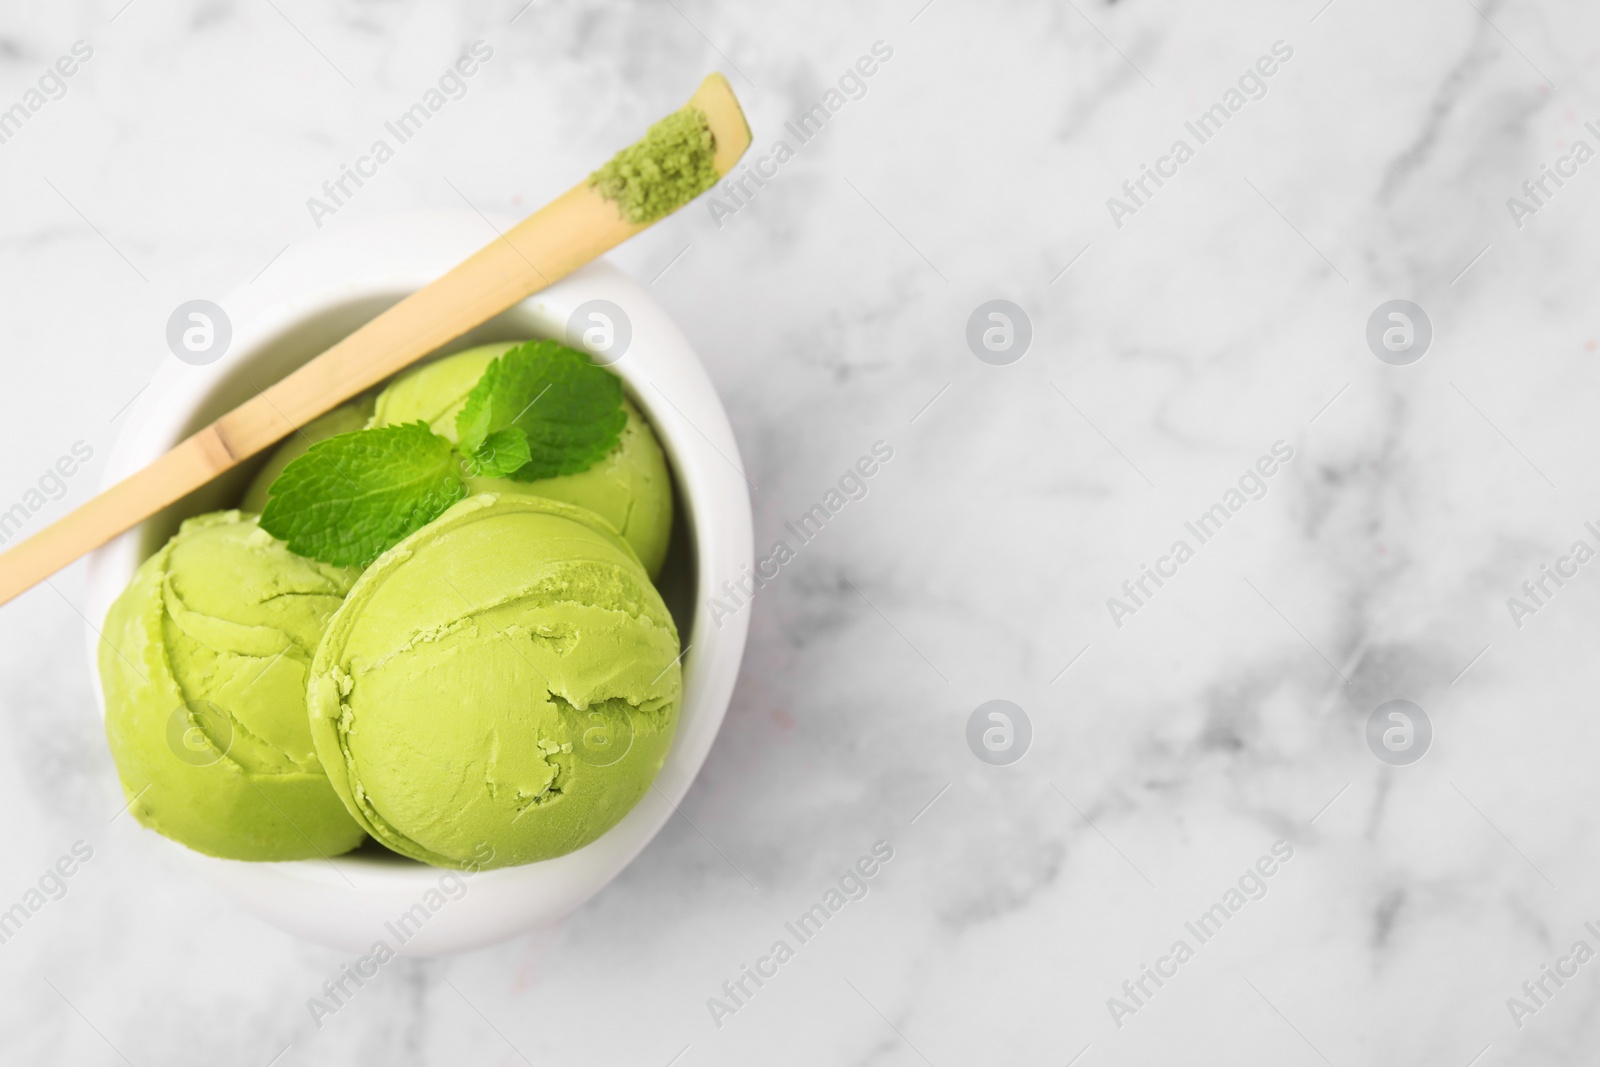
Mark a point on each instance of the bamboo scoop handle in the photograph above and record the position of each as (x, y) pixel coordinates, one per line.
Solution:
(554, 241)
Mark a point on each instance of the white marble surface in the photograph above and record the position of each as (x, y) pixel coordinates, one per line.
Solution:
(1226, 715)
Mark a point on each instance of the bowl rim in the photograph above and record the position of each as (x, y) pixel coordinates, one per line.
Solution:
(363, 262)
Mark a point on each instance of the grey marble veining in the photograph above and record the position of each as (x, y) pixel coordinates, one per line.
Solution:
(1170, 754)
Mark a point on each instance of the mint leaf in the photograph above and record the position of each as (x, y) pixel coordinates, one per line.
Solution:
(502, 453)
(568, 409)
(351, 497)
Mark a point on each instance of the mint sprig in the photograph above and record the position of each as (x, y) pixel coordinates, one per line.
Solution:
(568, 410)
(501, 454)
(539, 411)
(353, 496)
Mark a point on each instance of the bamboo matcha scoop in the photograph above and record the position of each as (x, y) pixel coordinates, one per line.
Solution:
(587, 220)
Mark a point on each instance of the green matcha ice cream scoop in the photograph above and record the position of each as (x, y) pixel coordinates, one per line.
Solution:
(629, 488)
(506, 676)
(203, 661)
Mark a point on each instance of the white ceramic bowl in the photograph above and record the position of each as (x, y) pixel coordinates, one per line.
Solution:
(306, 300)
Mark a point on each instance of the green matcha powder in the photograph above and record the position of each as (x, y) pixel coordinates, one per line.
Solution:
(666, 170)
